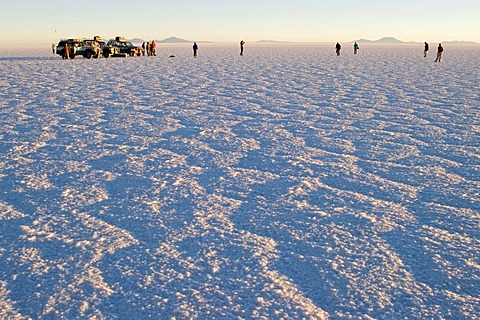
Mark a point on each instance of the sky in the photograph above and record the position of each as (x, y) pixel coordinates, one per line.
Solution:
(47, 21)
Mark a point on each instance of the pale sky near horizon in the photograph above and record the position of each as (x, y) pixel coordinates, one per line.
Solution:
(37, 22)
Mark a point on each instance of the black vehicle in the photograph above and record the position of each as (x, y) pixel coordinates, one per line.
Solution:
(120, 47)
(79, 47)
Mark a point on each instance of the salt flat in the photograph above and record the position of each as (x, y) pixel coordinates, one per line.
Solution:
(288, 183)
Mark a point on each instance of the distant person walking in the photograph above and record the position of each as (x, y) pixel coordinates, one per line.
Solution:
(425, 51)
(242, 44)
(195, 50)
(355, 48)
(53, 48)
(439, 53)
(144, 47)
(338, 47)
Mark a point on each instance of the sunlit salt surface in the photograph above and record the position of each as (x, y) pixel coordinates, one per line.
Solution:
(287, 183)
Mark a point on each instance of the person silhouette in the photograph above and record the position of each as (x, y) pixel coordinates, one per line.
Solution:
(66, 52)
(242, 44)
(153, 48)
(355, 48)
(439, 53)
(195, 50)
(425, 50)
(338, 47)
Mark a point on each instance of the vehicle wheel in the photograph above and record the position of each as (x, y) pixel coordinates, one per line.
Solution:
(72, 56)
(106, 54)
(88, 55)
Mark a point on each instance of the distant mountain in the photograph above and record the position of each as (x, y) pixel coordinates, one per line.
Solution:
(363, 41)
(136, 40)
(174, 40)
(269, 41)
(388, 40)
(461, 42)
(274, 41)
(393, 40)
(382, 40)
(168, 40)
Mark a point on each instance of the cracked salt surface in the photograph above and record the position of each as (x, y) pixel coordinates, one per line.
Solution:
(288, 183)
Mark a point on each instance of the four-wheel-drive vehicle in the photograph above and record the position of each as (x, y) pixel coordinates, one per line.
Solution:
(120, 47)
(71, 43)
(111, 51)
(79, 47)
(100, 41)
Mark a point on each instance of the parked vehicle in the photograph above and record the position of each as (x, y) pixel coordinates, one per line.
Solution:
(120, 47)
(111, 51)
(100, 41)
(79, 47)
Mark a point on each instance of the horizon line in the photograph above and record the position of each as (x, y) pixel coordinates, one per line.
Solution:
(271, 41)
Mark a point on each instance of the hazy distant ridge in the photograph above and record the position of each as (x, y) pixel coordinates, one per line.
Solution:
(384, 40)
(392, 40)
(167, 40)
(174, 40)
(460, 42)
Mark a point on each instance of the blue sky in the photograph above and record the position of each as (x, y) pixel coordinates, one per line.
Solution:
(35, 21)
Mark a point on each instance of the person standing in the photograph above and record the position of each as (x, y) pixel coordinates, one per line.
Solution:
(195, 50)
(338, 47)
(425, 51)
(242, 44)
(66, 52)
(154, 48)
(149, 49)
(144, 47)
(355, 48)
(53, 48)
(439, 53)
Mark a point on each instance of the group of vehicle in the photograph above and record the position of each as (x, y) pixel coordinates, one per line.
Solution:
(93, 48)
